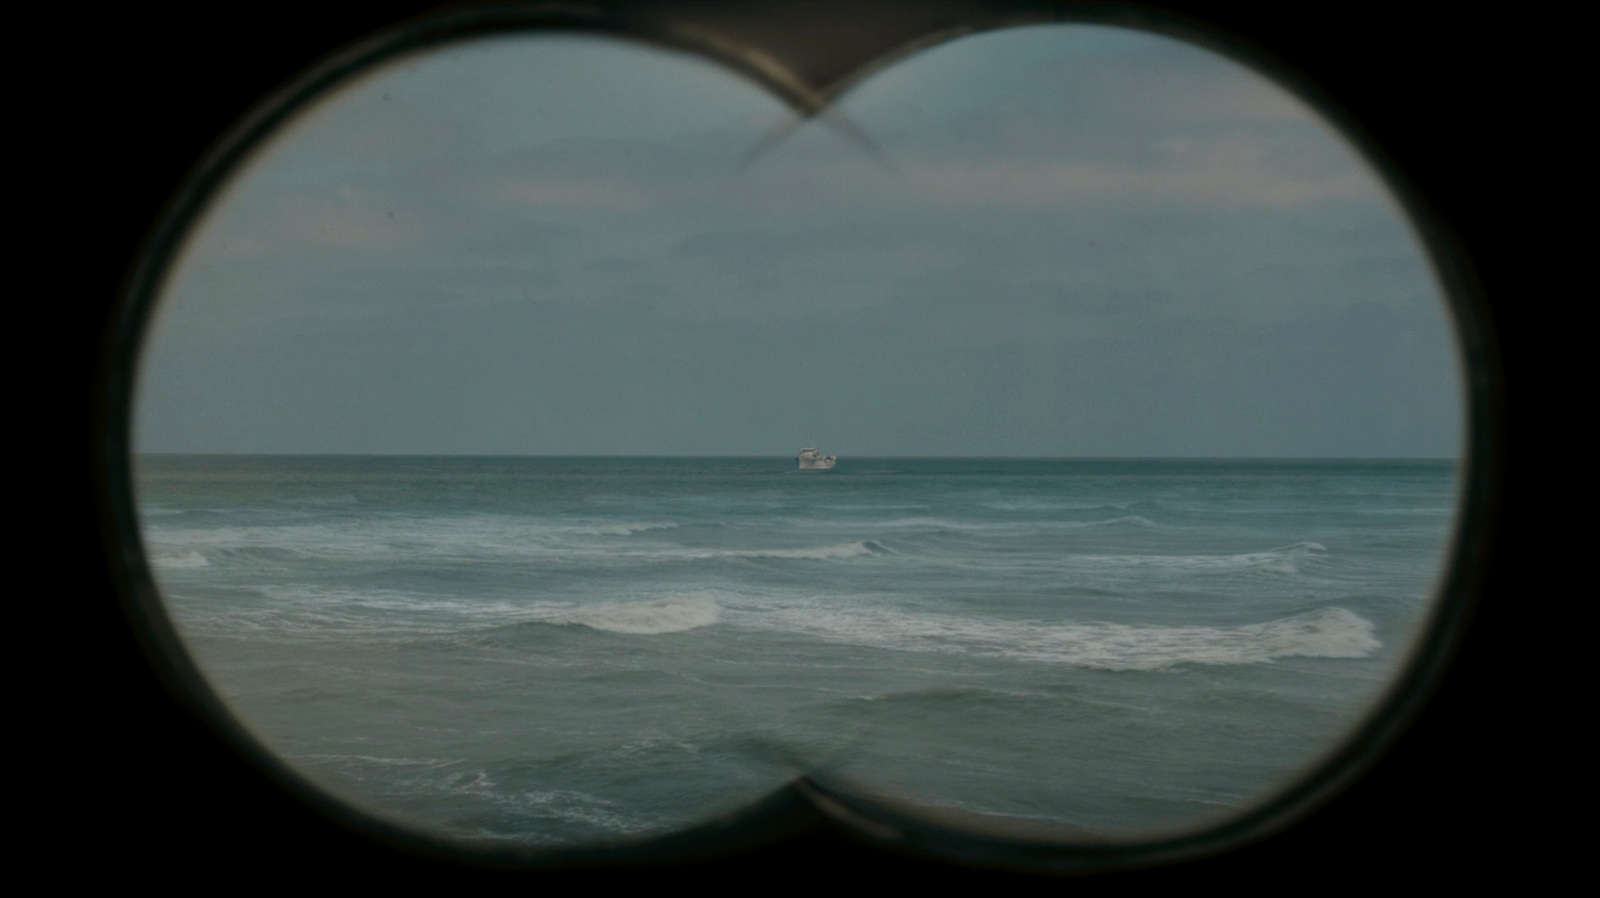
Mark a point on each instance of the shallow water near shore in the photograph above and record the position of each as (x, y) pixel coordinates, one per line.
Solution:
(555, 651)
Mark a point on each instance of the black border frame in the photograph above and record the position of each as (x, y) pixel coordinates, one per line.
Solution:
(807, 805)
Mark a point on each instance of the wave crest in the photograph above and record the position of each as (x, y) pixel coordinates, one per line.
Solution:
(857, 549)
(180, 560)
(621, 529)
(1282, 560)
(1325, 633)
(1330, 632)
(673, 614)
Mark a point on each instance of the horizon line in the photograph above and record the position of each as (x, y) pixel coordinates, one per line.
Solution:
(789, 455)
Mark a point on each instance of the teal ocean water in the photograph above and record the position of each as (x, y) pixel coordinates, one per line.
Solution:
(563, 650)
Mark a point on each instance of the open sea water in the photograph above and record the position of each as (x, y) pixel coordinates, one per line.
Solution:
(552, 651)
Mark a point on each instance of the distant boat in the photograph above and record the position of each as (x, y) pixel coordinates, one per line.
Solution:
(812, 459)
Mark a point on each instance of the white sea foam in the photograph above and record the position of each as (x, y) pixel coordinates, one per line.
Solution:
(566, 805)
(304, 612)
(308, 612)
(306, 541)
(1325, 633)
(1281, 560)
(619, 529)
(1137, 520)
(926, 523)
(179, 560)
(1048, 505)
(1002, 526)
(673, 614)
(856, 549)
(444, 538)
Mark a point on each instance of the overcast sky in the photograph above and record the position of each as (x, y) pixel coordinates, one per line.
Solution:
(1078, 241)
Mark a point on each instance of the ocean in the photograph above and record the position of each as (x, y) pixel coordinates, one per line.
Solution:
(561, 651)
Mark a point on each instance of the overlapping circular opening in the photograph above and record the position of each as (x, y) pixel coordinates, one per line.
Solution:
(470, 378)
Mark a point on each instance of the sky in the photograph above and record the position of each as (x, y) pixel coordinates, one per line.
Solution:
(1057, 240)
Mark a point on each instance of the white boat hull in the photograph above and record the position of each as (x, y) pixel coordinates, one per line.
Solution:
(812, 459)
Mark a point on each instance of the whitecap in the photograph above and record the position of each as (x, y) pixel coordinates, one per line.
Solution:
(673, 614)
(857, 549)
(1280, 560)
(180, 560)
(621, 528)
(1330, 632)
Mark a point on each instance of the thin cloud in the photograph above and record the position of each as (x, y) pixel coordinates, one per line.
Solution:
(1224, 174)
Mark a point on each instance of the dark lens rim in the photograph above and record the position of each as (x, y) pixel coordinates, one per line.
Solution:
(806, 802)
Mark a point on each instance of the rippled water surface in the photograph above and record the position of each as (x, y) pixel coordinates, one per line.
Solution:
(557, 650)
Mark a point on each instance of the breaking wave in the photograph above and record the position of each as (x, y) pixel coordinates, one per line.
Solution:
(621, 529)
(857, 549)
(673, 614)
(180, 560)
(1282, 560)
(1007, 526)
(1325, 633)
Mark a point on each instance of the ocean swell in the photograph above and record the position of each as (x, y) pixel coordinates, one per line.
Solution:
(1331, 632)
(673, 614)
